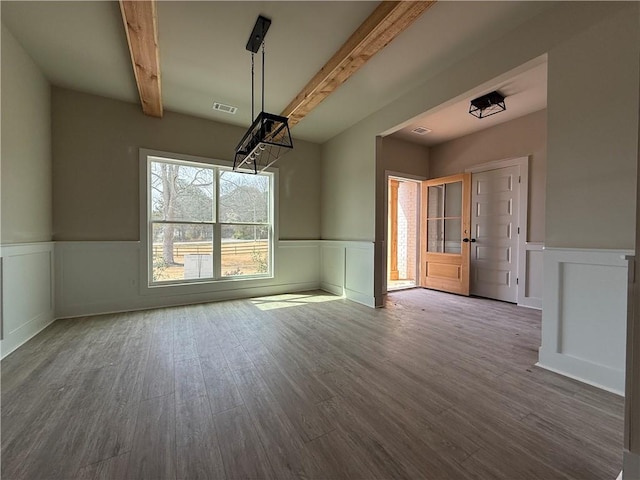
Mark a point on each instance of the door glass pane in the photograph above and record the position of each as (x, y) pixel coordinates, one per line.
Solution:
(435, 240)
(452, 235)
(436, 196)
(453, 199)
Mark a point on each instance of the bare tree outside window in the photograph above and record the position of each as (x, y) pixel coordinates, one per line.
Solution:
(181, 193)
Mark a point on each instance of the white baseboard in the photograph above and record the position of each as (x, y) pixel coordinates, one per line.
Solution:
(577, 372)
(333, 289)
(359, 297)
(584, 315)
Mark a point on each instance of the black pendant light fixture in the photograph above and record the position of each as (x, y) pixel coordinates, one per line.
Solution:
(487, 105)
(268, 137)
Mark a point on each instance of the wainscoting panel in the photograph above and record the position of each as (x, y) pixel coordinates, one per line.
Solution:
(584, 315)
(530, 294)
(102, 277)
(96, 277)
(27, 292)
(359, 260)
(298, 263)
(347, 269)
(332, 258)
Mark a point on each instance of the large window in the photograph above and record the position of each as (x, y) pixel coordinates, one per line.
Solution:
(207, 223)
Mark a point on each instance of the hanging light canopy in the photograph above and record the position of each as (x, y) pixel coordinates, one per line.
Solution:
(268, 137)
(486, 105)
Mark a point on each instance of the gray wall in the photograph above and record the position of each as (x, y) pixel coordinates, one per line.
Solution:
(26, 147)
(403, 157)
(96, 172)
(348, 186)
(593, 136)
(522, 137)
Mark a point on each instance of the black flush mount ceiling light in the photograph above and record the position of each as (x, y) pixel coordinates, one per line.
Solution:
(486, 105)
(268, 137)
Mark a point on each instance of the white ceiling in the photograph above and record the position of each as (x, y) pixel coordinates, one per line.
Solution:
(81, 45)
(524, 93)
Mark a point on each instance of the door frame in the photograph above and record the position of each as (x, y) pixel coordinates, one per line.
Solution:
(411, 178)
(523, 209)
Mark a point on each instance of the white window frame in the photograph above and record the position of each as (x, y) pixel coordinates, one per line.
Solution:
(200, 285)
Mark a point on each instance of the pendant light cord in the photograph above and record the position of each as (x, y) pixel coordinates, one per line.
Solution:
(252, 82)
(263, 74)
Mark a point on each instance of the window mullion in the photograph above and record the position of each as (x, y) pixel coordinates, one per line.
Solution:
(217, 230)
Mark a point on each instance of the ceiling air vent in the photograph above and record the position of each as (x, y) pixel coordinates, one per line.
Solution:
(421, 130)
(221, 107)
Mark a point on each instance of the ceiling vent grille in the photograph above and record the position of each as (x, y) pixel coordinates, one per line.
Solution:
(221, 107)
(421, 130)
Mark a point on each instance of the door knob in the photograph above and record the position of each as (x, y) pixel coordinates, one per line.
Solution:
(465, 240)
(473, 240)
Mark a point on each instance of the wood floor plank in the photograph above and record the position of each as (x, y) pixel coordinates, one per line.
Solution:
(307, 382)
(189, 380)
(113, 432)
(60, 453)
(385, 428)
(185, 346)
(242, 451)
(30, 433)
(287, 453)
(221, 388)
(237, 358)
(114, 468)
(129, 382)
(197, 451)
(360, 441)
(153, 453)
(309, 421)
(328, 452)
(159, 379)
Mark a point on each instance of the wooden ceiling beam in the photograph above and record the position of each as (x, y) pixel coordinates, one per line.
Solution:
(141, 26)
(387, 21)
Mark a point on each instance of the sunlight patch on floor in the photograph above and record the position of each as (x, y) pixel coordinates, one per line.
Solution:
(274, 302)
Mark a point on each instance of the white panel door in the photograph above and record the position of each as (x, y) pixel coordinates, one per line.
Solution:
(495, 229)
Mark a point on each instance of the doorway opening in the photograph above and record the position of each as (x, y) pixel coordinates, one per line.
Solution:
(403, 231)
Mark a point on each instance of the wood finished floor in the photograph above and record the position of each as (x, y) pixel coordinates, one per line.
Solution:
(434, 386)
